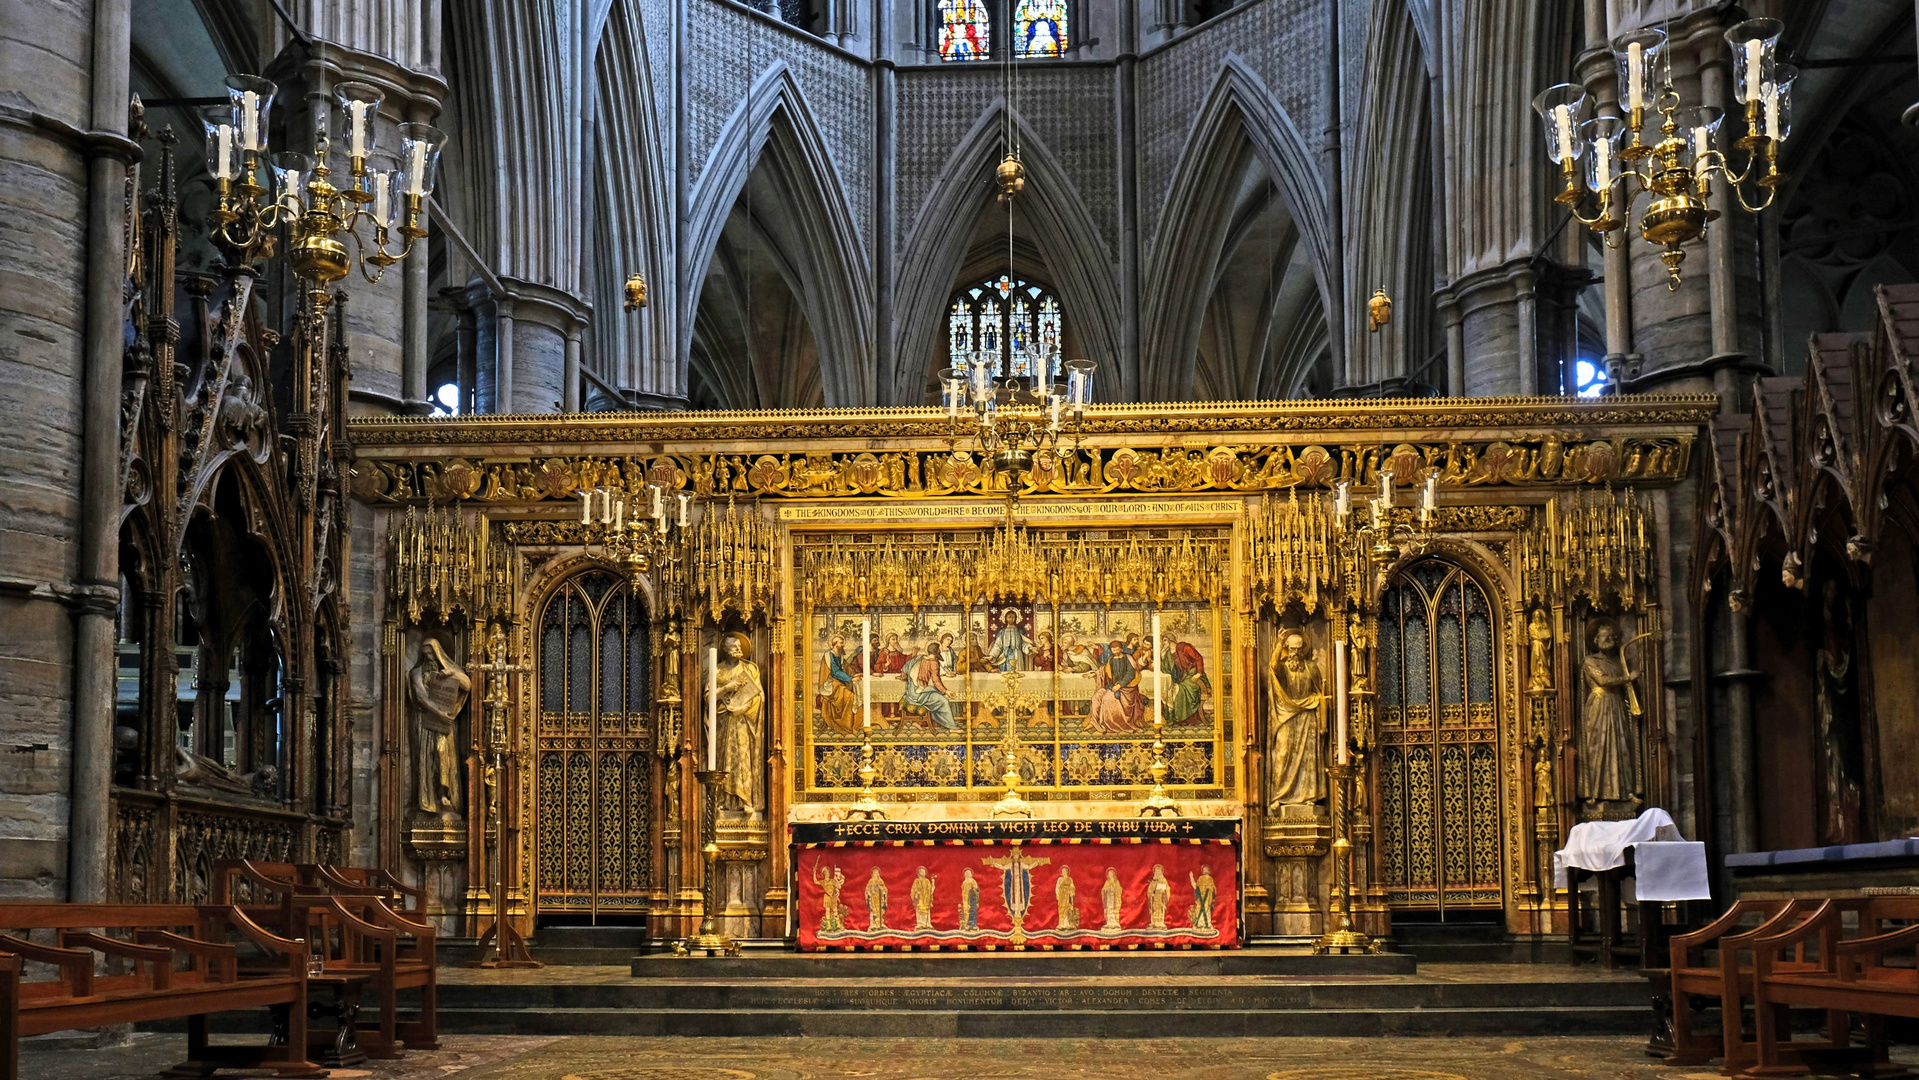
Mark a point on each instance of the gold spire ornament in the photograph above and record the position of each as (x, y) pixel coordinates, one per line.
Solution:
(1010, 176)
(1379, 310)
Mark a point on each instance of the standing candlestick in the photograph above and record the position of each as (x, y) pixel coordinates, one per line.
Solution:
(868, 806)
(711, 940)
(712, 708)
(1340, 700)
(1158, 803)
(866, 673)
(1158, 651)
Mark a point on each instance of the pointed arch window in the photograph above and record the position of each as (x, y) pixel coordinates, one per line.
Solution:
(1014, 325)
(965, 30)
(1040, 28)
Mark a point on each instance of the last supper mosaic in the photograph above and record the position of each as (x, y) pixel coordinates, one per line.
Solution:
(1073, 637)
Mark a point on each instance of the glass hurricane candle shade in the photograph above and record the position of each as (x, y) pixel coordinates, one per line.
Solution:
(1562, 109)
(250, 99)
(223, 142)
(290, 174)
(359, 106)
(419, 156)
(1602, 165)
(1755, 45)
(1079, 384)
(1775, 110)
(1700, 127)
(1641, 54)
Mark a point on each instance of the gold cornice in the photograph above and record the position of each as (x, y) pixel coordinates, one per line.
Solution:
(917, 424)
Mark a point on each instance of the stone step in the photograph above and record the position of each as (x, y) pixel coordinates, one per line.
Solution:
(1037, 995)
(1073, 1024)
(1227, 962)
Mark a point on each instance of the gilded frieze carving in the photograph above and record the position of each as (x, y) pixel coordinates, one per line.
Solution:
(1547, 459)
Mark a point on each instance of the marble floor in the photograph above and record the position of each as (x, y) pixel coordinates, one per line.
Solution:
(485, 1057)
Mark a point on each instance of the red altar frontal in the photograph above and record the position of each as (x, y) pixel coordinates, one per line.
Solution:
(1147, 884)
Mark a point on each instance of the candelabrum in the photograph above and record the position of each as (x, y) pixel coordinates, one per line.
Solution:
(1680, 164)
(1158, 803)
(501, 945)
(257, 193)
(1012, 419)
(1009, 705)
(1367, 544)
(711, 940)
(627, 539)
(1346, 937)
(868, 806)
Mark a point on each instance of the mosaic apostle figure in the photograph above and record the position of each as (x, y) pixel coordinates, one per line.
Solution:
(1607, 772)
(922, 894)
(1295, 695)
(742, 733)
(438, 690)
(1066, 894)
(1112, 900)
(834, 693)
(875, 902)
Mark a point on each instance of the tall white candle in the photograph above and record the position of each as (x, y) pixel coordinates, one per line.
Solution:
(1343, 500)
(1602, 163)
(1563, 120)
(1755, 68)
(683, 501)
(416, 177)
(1701, 142)
(356, 133)
(1635, 76)
(586, 508)
(657, 511)
(225, 169)
(866, 673)
(1772, 114)
(1157, 653)
(250, 118)
(380, 200)
(712, 708)
(1340, 701)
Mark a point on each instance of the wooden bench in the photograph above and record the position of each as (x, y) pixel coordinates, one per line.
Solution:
(184, 966)
(352, 933)
(1727, 977)
(1811, 965)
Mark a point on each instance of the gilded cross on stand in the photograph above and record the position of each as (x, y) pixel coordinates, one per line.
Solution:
(501, 945)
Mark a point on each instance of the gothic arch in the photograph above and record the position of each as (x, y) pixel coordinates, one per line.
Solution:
(1239, 116)
(834, 283)
(1080, 264)
(632, 208)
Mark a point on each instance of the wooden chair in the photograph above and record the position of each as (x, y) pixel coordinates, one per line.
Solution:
(1726, 978)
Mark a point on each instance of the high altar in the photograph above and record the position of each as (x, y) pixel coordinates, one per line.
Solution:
(824, 604)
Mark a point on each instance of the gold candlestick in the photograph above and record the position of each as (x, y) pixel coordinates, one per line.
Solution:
(711, 940)
(1347, 938)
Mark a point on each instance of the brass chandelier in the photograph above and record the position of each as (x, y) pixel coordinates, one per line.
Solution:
(1679, 165)
(258, 193)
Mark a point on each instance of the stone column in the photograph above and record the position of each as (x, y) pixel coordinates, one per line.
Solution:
(503, 358)
(1596, 74)
(570, 388)
(536, 325)
(1126, 80)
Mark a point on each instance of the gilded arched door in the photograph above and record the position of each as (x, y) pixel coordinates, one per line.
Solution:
(591, 746)
(1439, 809)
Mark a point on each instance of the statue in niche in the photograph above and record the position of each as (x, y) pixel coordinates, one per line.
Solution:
(1295, 693)
(1608, 722)
(741, 700)
(1838, 718)
(438, 690)
(1541, 634)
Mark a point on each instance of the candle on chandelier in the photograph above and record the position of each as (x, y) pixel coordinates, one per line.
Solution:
(380, 216)
(1772, 114)
(250, 120)
(866, 673)
(1053, 405)
(1701, 142)
(712, 708)
(1602, 162)
(684, 499)
(658, 510)
(1386, 487)
(619, 515)
(1563, 122)
(1635, 76)
(356, 129)
(586, 508)
(225, 170)
(416, 179)
(1430, 503)
(1343, 500)
(1340, 701)
(1755, 69)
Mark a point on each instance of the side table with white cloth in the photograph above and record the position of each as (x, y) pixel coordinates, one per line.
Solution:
(1640, 862)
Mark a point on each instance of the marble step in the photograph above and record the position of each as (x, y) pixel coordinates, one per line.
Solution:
(1225, 962)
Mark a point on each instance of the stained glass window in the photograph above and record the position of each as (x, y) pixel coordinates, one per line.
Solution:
(966, 30)
(1017, 326)
(1039, 28)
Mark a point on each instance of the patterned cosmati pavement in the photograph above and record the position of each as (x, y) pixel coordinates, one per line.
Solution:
(483, 1057)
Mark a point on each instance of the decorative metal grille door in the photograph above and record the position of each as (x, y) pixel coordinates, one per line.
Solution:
(1438, 742)
(591, 749)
